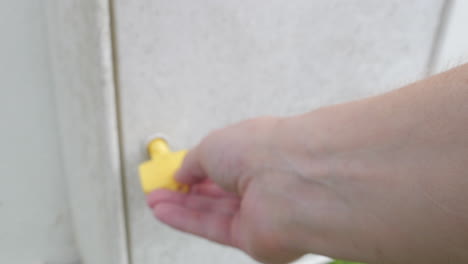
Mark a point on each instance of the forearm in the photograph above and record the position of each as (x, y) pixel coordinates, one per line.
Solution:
(399, 162)
(433, 108)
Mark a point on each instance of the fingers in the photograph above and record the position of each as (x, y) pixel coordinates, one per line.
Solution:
(210, 189)
(163, 195)
(223, 205)
(197, 214)
(215, 227)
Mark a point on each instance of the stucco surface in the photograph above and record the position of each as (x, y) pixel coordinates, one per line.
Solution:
(35, 222)
(81, 53)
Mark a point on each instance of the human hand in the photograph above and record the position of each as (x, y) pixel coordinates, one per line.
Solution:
(253, 214)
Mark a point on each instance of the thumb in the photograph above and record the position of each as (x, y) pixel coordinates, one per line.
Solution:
(215, 158)
(191, 170)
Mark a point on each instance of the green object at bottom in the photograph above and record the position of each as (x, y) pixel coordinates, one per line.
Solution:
(343, 262)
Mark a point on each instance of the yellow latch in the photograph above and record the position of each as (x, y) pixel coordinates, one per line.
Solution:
(158, 172)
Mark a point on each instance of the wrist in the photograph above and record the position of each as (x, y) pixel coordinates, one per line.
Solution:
(324, 147)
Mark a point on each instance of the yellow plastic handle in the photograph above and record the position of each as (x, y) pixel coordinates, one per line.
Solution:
(158, 172)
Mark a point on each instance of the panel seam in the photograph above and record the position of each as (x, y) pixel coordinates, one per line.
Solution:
(438, 37)
(119, 121)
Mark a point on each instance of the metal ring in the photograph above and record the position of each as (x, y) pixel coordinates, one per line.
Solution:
(153, 137)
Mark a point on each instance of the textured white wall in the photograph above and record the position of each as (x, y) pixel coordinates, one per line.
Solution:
(34, 220)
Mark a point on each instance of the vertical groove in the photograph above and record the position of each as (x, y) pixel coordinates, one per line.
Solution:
(438, 37)
(118, 111)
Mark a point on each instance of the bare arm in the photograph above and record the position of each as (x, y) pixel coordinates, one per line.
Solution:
(379, 180)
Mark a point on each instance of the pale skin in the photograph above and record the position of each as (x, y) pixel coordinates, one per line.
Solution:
(378, 180)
